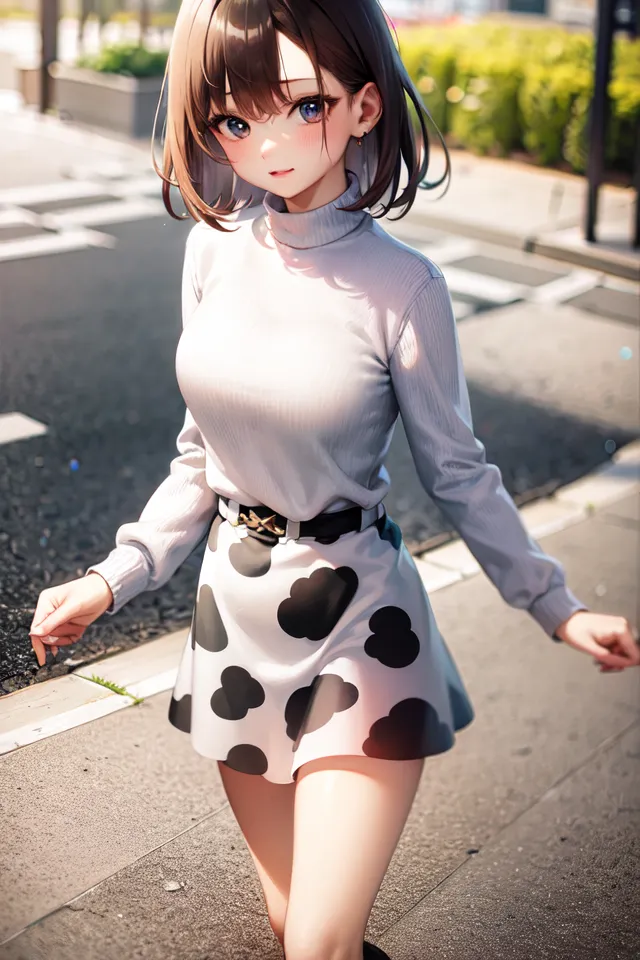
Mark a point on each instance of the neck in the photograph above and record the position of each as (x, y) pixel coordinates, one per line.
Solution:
(323, 191)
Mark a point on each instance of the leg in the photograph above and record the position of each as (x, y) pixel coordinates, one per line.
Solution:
(264, 812)
(350, 812)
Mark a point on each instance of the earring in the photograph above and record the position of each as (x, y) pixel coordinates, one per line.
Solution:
(361, 138)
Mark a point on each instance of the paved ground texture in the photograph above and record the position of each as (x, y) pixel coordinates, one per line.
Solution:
(522, 842)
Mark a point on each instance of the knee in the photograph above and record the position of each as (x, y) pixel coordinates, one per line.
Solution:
(306, 945)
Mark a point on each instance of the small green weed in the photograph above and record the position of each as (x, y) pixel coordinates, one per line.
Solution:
(113, 687)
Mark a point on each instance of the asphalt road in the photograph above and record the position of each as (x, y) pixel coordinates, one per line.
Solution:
(88, 348)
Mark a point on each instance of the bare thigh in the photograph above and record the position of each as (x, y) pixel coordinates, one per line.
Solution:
(350, 812)
(265, 812)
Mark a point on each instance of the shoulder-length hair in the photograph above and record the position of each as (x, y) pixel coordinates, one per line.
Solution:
(235, 40)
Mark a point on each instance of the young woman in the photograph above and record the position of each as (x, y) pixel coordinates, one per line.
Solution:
(314, 671)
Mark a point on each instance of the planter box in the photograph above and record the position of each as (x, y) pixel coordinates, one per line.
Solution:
(124, 104)
(8, 70)
(29, 85)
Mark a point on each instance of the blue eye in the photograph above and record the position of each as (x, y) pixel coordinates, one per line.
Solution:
(233, 128)
(237, 127)
(311, 110)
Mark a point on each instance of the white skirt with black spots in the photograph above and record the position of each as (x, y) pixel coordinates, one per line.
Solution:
(300, 649)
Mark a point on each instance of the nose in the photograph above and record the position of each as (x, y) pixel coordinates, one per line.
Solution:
(267, 147)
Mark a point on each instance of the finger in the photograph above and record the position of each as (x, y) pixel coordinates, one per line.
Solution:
(40, 650)
(56, 624)
(615, 660)
(627, 645)
(61, 639)
(607, 651)
(44, 609)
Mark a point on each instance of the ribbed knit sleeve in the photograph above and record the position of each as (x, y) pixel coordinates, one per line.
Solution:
(431, 389)
(148, 551)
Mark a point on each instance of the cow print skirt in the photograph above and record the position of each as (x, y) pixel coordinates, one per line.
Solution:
(301, 649)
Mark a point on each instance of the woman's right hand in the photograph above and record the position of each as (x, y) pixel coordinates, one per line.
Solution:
(63, 613)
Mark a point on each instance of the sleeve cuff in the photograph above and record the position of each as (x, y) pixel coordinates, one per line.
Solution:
(553, 608)
(126, 572)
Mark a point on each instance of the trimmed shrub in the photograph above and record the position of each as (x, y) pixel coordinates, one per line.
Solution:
(429, 57)
(546, 98)
(484, 101)
(493, 87)
(128, 59)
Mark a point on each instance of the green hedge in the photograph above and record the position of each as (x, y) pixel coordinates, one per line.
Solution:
(129, 59)
(493, 88)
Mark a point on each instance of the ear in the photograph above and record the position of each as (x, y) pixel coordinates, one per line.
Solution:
(363, 160)
(367, 109)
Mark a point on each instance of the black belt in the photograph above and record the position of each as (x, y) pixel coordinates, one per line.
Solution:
(326, 527)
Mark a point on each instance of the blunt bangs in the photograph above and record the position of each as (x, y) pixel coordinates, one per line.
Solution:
(241, 49)
(221, 45)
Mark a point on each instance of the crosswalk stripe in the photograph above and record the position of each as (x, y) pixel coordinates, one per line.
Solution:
(107, 169)
(411, 233)
(440, 250)
(43, 244)
(136, 186)
(564, 288)
(99, 214)
(463, 282)
(461, 309)
(449, 250)
(482, 287)
(17, 426)
(50, 192)
(620, 284)
(16, 217)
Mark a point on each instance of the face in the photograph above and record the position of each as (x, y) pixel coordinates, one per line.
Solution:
(284, 153)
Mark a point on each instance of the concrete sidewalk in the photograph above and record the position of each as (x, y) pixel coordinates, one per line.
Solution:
(119, 840)
(534, 209)
(499, 201)
(37, 149)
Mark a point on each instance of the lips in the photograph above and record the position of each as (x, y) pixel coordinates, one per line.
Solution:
(280, 173)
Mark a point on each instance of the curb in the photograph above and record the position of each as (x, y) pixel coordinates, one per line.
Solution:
(52, 706)
(570, 246)
(564, 244)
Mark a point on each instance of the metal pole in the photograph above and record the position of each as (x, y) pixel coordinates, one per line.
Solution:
(48, 49)
(633, 31)
(599, 113)
(636, 178)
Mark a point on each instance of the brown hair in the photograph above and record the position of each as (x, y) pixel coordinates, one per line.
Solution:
(236, 40)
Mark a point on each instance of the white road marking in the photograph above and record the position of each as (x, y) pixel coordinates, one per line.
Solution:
(466, 283)
(620, 284)
(449, 250)
(565, 288)
(149, 185)
(108, 169)
(118, 211)
(411, 233)
(17, 426)
(52, 192)
(15, 216)
(482, 287)
(49, 243)
(461, 309)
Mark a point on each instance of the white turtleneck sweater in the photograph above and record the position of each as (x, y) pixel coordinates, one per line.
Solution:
(304, 336)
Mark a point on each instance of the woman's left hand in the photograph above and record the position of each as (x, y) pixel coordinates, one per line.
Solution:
(611, 640)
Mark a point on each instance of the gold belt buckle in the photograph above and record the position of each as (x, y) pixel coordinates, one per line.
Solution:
(258, 523)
